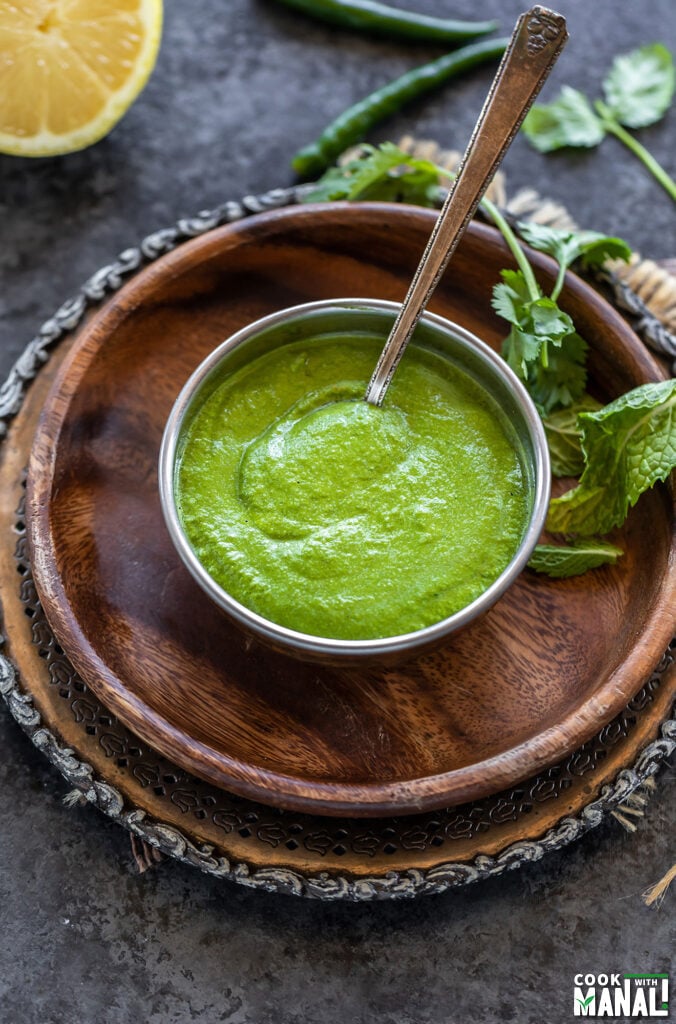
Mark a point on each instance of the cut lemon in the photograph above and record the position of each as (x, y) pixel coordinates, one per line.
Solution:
(69, 69)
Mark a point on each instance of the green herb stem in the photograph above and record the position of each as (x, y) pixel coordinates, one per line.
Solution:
(558, 284)
(514, 247)
(612, 125)
(510, 238)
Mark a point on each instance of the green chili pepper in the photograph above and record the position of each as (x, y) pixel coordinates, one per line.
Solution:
(379, 19)
(354, 124)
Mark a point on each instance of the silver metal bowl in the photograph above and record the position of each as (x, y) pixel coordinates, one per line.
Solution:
(313, 320)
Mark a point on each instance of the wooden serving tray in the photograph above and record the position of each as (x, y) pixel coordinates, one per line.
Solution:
(538, 676)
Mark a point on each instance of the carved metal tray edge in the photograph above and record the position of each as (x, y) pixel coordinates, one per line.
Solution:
(325, 885)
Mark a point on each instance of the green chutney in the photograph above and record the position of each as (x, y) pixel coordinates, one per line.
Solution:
(336, 518)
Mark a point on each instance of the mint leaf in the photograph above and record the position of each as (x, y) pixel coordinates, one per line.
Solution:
(561, 561)
(628, 446)
(568, 121)
(640, 85)
(564, 437)
(591, 247)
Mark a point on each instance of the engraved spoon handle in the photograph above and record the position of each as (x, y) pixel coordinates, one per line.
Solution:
(538, 38)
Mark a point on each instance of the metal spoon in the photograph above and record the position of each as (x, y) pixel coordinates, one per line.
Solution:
(538, 38)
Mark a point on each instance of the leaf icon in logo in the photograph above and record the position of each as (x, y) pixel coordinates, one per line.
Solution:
(585, 1002)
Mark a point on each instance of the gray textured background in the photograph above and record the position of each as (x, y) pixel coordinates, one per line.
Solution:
(239, 85)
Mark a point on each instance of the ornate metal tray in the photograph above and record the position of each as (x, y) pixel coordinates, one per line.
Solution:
(234, 837)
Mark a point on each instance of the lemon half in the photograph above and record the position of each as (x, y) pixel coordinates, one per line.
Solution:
(69, 69)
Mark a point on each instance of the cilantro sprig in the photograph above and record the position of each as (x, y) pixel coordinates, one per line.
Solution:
(384, 173)
(619, 450)
(543, 347)
(638, 91)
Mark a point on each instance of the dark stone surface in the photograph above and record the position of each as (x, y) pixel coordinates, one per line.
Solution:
(238, 87)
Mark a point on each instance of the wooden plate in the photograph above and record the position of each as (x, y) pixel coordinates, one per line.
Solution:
(538, 676)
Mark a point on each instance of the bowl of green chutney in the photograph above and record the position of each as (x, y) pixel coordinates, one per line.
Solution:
(336, 530)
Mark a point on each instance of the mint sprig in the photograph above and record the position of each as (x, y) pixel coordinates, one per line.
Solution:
(564, 560)
(564, 437)
(628, 446)
(638, 91)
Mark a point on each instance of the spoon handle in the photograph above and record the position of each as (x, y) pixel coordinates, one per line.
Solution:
(538, 38)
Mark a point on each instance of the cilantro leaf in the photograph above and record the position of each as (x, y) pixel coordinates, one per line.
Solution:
(520, 350)
(568, 121)
(538, 316)
(640, 85)
(561, 561)
(562, 245)
(385, 174)
(548, 321)
(333, 185)
(628, 446)
(596, 248)
(564, 437)
(560, 380)
(591, 247)
(638, 88)
(511, 298)
(542, 346)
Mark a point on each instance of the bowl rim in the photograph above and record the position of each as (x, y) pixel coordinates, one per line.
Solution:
(307, 644)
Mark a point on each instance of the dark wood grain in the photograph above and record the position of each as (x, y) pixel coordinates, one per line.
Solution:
(227, 825)
(538, 675)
